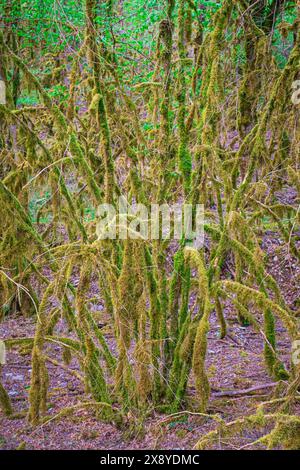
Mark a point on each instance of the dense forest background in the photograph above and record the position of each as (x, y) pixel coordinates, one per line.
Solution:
(149, 343)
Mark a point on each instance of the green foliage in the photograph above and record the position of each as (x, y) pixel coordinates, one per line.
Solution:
(166, 102)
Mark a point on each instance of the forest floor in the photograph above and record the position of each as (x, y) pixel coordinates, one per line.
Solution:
(235, 365)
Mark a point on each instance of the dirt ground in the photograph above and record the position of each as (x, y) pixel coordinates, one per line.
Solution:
(235, 365)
